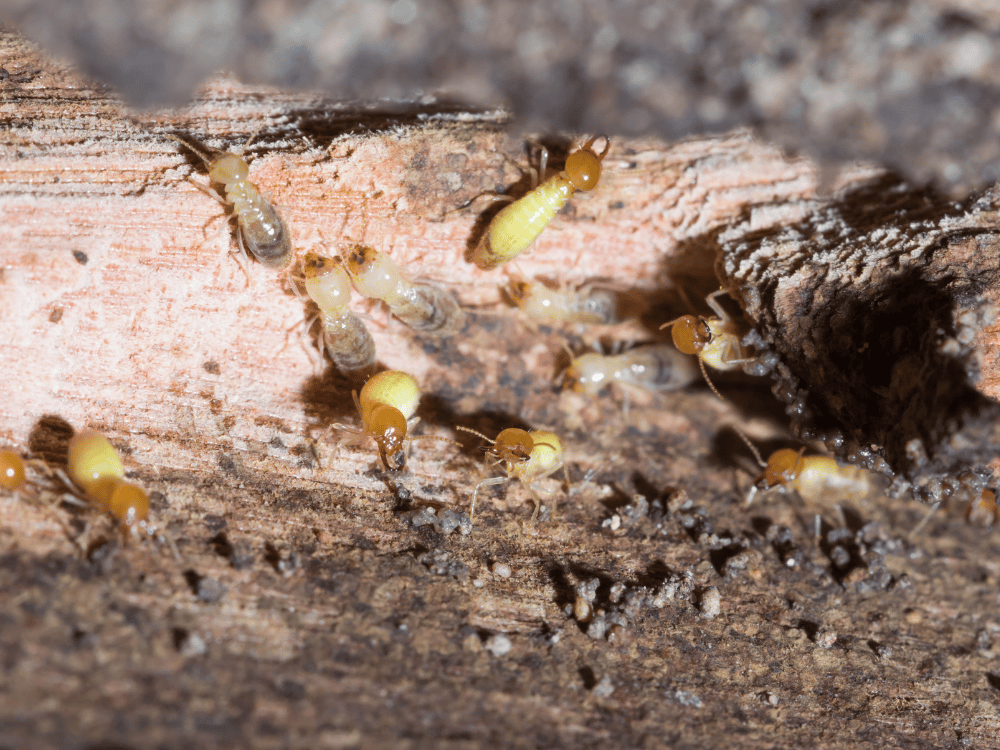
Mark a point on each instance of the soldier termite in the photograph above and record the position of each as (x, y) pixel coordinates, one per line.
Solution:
(525, 456)
(261, 230)
(715, 341)
(657, 367)
(387, 404)
(516, 226)
(422, 306)
(345, 336)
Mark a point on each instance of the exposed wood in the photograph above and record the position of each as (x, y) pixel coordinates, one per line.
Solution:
(306, 611)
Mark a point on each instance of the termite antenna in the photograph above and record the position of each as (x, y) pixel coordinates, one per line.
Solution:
(752, 447)
(701, 364)
(927, 517)
(474, 432)
(204, 155)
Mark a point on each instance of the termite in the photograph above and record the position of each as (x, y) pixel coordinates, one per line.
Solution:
(387, 404)
(715, 341)
(657, 367)
(525, 456)
(813, 477)
(345, 336)
(261, 230)
(587, 304)
(983, 510)
(425, 307)
(516, 226)
(96, 471)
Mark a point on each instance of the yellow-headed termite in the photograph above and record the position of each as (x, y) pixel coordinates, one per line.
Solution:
(345, 336)
(96, 470)
(525, 456)
(657, 367)
(261, 230)
(715, 341)
(516, 226)
(425, 307)
(387, 404)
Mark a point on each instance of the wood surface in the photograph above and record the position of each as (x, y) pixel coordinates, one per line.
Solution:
(304, 609)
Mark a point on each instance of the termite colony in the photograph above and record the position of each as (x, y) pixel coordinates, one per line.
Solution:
(388, 400)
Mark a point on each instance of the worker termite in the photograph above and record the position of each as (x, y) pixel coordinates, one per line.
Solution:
(526, 456)
(345, 336)
(95, 470)
(715, 341)
(261, 230)
(983, 510)
(588, 304)
(387, 404)
(425, 307)
(516, 226)
(813, 477)
(657, 367)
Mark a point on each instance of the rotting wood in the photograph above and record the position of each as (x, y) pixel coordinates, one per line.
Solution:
(307, 610)
(880, 301)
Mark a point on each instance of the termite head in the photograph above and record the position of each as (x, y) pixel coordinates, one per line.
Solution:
(327, 283)
(228, 168)
(583, 167)
(387, 427)
(517, 291)
(691, 334)
(387, 400)
(375, 274)
(587, 374)
(783, 466)
(12, 476)
(513, 445)
(129, 503)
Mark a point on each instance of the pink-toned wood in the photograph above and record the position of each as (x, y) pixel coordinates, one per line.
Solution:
(129, 341)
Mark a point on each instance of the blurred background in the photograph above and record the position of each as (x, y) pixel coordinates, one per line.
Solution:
(910, 83)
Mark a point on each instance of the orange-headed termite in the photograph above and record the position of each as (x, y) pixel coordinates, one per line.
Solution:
(983, 510)
(813, 477)
(715, 341)
(525, 456)
(516, 226)
(387, 404)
